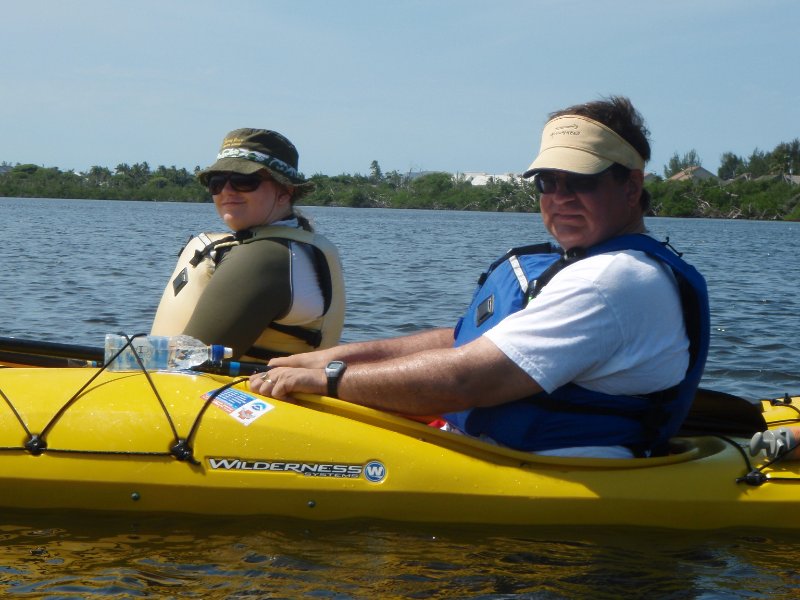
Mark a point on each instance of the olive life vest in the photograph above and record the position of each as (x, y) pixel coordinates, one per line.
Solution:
(572, 415)
(197, 263)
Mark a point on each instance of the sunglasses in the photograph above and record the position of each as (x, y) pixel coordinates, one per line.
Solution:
(239, 182)
(547, 182)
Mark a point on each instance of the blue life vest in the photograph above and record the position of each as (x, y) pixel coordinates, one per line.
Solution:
(572, 415)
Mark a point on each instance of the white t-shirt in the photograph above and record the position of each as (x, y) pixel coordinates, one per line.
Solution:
(610, 323)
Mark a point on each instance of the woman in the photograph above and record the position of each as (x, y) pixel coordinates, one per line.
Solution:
(273, 287)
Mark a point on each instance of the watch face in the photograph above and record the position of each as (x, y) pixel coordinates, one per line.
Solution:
(333, 372)
(334, 367)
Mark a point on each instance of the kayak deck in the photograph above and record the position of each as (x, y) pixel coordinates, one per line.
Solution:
(162, 442)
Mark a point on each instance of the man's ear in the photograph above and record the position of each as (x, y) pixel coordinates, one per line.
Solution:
(634, 186)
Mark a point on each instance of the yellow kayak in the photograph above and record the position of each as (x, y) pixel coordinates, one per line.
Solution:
(203, 444)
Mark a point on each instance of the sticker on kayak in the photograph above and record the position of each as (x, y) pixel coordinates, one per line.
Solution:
(242, 407)
(374, 471)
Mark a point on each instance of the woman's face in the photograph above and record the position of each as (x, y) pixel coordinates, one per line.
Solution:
(243, 208)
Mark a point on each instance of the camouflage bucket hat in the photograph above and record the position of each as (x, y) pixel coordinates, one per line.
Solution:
(248, 151)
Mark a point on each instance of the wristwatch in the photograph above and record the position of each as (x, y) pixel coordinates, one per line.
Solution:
(334, 372)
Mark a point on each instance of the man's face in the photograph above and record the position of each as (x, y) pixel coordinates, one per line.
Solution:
(583, 210)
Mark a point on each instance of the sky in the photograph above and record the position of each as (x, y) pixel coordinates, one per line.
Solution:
(417, 85)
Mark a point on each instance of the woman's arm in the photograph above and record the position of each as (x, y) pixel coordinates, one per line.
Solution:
(250, 288)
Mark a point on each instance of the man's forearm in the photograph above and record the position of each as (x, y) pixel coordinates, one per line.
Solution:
(370, 351)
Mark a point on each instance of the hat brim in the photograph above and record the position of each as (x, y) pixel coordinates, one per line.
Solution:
(578, 144)
(571, 160)
(248, 167)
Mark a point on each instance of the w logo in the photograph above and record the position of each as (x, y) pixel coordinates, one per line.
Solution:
(374, 471)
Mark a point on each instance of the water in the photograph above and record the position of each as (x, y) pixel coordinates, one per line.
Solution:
(78, 269)
(160, 558)
(75, 270)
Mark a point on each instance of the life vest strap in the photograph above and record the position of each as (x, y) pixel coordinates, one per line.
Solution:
(312, 337)
(211, 247)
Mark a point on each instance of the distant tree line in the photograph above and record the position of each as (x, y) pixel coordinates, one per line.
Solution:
(126, 182)
(785, 158)
(441, 191)
(760, 186)
(756, 187)
(766, 198)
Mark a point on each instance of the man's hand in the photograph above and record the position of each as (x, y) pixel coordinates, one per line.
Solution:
(280, 382)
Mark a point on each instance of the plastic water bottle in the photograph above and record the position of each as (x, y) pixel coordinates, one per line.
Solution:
(185, 352)
(161, 353)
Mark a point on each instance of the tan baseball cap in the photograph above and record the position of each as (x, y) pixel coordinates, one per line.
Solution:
(578, 144)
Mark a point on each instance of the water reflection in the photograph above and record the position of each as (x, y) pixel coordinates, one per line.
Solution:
(165, 557)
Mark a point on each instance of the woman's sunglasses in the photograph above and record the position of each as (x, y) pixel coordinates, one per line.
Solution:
(547, 182)
(239, 182)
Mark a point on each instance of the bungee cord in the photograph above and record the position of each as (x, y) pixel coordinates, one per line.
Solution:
(180, 448)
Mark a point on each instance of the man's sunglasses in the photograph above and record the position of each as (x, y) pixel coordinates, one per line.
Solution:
(239, 182)
(547, 182)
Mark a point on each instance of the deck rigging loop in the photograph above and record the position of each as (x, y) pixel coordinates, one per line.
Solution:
(755, 476)
(37, 443)
(180, 448)
(16, 414)
(182, 451)
(785, 401)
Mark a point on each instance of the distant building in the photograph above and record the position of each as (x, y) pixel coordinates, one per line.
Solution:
(650, 177)
(695, 173)
(476, 178)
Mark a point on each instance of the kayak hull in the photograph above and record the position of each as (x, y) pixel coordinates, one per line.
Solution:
(106, 446)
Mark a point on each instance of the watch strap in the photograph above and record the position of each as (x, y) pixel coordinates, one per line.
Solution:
(333, 385)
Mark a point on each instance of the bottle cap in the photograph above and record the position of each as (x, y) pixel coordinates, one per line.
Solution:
(219, 353)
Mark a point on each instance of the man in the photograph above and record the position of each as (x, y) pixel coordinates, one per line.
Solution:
(599, 356)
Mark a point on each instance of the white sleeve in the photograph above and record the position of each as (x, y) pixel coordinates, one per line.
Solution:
(611, 323)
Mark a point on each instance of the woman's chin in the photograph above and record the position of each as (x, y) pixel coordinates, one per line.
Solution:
(234, 223)
(236, 219)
